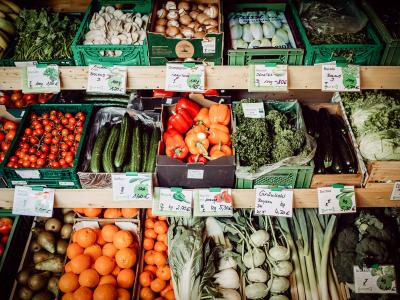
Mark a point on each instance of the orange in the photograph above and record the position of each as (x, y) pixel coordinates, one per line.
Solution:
(73, 237)
(80, 263)
(105, 292)
(129, 212)
(157, 285)
(67, 267)
(86, 237)
(160, 246)
(123, 294)
(166, 290)
(83, 293)
(73, 250)
(79, 210)
(152, 269)
(170, 295)
(112, 213)
(108, 279)
(122, 239)
(150, 233)
(68, 282)
(100, 241)
(67, 296)
(149, 213)
(149, 223)
(125, 278)
(146, 278)
(116, 271)
(125, 258)
(164, 273)
(149, 257)
(147, 294)
(94, 252)
(92, 212)
(108, 232)
(148, 244)
(159, 259)
(104, 265)
(160, 227)
(109, 250)
(89, 278)
(162, 218)
(163, 238)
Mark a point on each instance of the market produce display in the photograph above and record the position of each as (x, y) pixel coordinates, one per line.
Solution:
(6, 225)
(9, 12)
(17, 99)
(7, 133)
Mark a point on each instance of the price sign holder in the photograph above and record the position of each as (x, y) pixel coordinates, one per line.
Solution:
(337, 199)
(254, 110)
(40, 78)
(212, 202)
(172, 202)
(396, 191)
(340, 77)
(274, 201)
(185, 77)
(379, 279)
(268, 77)
(107, 80)
(132, 186)
(33, 201)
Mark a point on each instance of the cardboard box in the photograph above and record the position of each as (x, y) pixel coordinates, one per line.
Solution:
(175, 173)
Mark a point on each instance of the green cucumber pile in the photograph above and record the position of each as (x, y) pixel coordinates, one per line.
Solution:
(128, 146)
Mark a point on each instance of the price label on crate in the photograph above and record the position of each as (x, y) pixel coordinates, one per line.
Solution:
(254, 110)
(268, 78)
(107, 80)
(208, 43)
(213, 202)
(172, 202)
(340, 78)
(132, 186)
(274, 202)
(396, 191)
(337, 199)
(41, 79)
(185, 77)
(379, 279)
(33, 201)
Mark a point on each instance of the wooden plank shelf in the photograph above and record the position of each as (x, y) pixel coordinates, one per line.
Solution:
(378, 196)
(217, 77)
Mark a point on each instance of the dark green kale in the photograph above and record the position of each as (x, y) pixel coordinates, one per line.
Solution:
(371, 251)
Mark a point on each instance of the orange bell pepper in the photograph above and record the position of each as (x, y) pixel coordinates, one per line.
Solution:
(218, 136)
(220, 114)
(197, 143)
(202, 117)
(224, 148)
(217, 154)
(219, 127)
(197, 129)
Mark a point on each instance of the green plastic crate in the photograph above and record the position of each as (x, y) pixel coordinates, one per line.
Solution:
(361, 54)
(162, 61)
(391, 52)
(289, 56)
(8, 214)
(131, 55)
(52, 178)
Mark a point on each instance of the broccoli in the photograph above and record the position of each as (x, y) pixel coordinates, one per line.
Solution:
(347, 240)
(371, 251)
(344, 262)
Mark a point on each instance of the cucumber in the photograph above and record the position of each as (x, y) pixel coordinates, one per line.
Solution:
(146, 142)
(110, 148)
(124, 138)
(319, 158)
(325, 133)
(136, 150)
(151, 157)
(101, 139)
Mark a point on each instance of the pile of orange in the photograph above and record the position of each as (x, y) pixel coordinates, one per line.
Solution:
(155, 279)
(100, 265)
(108, 213)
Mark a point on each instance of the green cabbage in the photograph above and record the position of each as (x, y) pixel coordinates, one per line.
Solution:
(381, 145)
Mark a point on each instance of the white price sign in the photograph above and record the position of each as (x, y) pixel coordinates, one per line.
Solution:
(33, 201)
(254, 110)
(107, 80)
(375, 280)
(172, 202)
(337, 199)
(396, 191)
(268, 78)
(340, 79)
(213, 202)
(274, 202)
(41, 79)
(185, 77)
(208, 44)
(132, 186)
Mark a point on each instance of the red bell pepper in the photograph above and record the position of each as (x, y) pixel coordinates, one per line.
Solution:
(176, 147)
(193, 158)
(162, 93)
(211, 92)
(181, 121)
(191, 107)
(170, 133)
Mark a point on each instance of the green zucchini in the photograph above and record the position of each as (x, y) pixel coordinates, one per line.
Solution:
(110, 148)
(123, 141)
(319, 158)
(151, 156)
(325, 130)
(136, 151)
(101, 139)
(146, 142)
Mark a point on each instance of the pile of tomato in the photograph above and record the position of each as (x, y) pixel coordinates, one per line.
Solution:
(16, 99)
(50, 141)
(5, 228)
(7, 133)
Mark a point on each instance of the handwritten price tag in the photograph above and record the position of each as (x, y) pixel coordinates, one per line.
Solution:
(213, 202)
(41, 79)
(253, 110)
(268, 78)
(340, 79)
(107, 80)
(396, 191)
(186, 77)
(33, 201)
(375, 280)
(338, 199)
(172, 202)
(274, 202)
(132, 186)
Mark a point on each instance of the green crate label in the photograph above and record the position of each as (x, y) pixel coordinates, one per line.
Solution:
(38, 79)
(31, 201)
(107, 80)
(340, 79)
(396, 191)
(378, 279)
(28, 174)
(161, 51)
(336, 200)
(128, 187)
(268, 78)
(274, 203)
(184, 49)
(181, 78)
(208, 44)
(172, 202)
(21, 64)
(212, 202)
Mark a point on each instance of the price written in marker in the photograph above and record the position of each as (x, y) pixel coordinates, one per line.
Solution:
(186, 77)
(268, 78)
(213, 202)
(172, 202)
(340, 79)
(33, 201)
(132, 186)
(253, 110)
(338, 199)
(379, 279)
(41, 79)
(274, 202)
(107, 80)
(396, 191)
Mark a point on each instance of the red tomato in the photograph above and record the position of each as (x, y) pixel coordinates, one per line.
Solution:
(10, 135)
(2, 136)
(10, 125)
(16, 95)
(4, 99)
(4, 146)
(5, 225)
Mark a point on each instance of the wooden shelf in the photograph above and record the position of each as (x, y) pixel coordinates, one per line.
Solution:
(376, 196)
(218, 77)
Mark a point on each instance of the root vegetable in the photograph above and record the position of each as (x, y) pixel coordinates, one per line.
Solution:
(227, 279)
(260, 238)
(279, 284)
(279, 253)
(255, 258)
(256, 291)
(257, 275)
(283, 268)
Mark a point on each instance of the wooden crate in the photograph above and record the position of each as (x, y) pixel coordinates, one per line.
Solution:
(383, 172)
